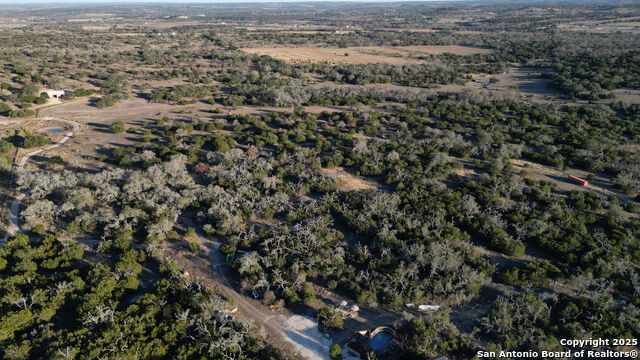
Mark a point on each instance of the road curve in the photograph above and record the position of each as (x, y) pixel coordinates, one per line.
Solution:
(14, 225)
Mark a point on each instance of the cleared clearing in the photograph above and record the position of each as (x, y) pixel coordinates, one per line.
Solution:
(628, 24)
(350, 182)
(362, 54)
(465, 172)
(547, 173)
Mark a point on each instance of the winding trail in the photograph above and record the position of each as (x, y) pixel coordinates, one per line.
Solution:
(14, 225)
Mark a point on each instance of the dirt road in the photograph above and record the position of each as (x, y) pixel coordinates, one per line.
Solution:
(14, 225)
(298, 333)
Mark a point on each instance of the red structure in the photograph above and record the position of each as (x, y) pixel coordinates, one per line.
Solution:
(578, 181)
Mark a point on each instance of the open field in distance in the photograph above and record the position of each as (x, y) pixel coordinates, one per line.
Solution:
(363, 54)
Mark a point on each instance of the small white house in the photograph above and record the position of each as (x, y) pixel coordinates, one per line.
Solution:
(55, 93)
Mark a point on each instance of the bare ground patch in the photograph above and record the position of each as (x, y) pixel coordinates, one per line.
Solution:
(465, 172)
(631, 96)
(516, 80)
(560, 178)
(265, 110)
(628, 24)
(361, 54)
(350, 182)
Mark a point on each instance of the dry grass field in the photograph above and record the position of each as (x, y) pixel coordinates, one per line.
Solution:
(350, 182)
(629, 24)
(362, 54)
(522, 80)
(631, 96)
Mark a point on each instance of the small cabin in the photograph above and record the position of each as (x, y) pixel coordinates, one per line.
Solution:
(577, 180)
(57, 94)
